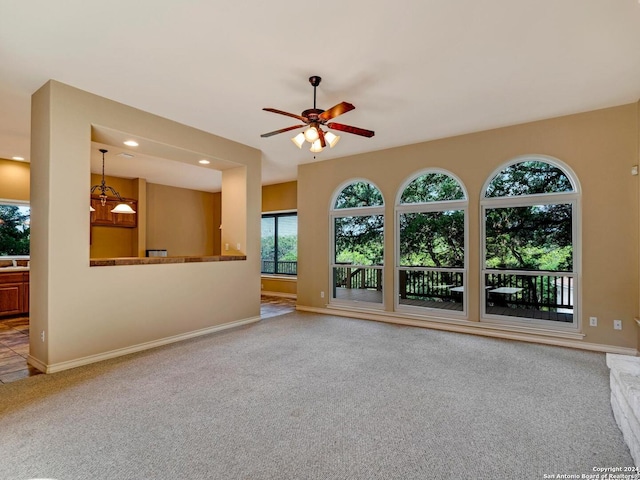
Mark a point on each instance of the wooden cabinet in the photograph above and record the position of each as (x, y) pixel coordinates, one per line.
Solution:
(14, 293)
(103, 216)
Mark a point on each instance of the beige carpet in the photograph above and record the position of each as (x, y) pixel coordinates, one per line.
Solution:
(305, 396)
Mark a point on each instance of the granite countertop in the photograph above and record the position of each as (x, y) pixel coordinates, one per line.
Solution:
(13, 269)
(108, 262)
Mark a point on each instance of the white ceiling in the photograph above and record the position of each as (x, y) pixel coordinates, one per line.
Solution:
(415, 70)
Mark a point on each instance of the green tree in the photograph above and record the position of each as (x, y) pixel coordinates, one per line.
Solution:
(432, 239)
(14, 231)
(360, 239)
(537, 237)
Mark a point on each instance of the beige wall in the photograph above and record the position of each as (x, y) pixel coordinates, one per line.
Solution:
(600, 146)
(89, 313)
(179, 220)
(14, 180)
(280, 196)
(276, 198)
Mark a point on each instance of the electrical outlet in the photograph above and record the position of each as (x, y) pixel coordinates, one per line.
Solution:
(237, 246)
(42, 335)
(321, 294)
(593, 321)
(262, 286)
(617, 324)
(226, 246)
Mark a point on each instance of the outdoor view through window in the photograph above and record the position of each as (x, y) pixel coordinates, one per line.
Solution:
(529, 213)
(14, 230)
(279, 244)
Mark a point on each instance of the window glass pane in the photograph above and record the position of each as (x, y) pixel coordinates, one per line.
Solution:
(432, 239)
(537, 237)
(268, 244)
(14, 229)
(528, 178)
(357, 283)
(287, 254)
(359, 240)
(431, 289)
(359, 194)
(530, 295)
(432, 187)
(279, 244)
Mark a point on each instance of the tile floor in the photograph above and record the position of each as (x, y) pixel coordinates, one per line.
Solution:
(14, 348)
(14, 339)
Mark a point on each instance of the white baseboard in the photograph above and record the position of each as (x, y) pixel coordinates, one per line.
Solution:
(475, 330)
(278, 294)
(78, 362)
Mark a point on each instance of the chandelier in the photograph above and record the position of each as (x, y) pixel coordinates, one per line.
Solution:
(123, 206)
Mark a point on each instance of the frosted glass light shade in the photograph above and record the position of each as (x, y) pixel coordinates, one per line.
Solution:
(331, 139)
(298, 140)
(316, 147)
(311, 134)
(123, 208)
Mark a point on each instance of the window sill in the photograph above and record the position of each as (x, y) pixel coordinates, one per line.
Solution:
(284, 278)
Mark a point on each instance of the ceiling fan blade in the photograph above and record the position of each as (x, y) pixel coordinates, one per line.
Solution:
(321, 137)
(282, 130)
(274, 110)
(336, 110)
(350, 129)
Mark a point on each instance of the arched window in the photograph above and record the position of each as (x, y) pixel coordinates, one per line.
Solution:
(431, 238)
(530, 239)
(357, 230)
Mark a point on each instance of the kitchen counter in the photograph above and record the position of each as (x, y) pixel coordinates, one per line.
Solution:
(13, 269)
(110, 262)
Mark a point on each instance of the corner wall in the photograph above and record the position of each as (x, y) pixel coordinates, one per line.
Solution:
(14, 180)
(279, 197)
(89, 313)
(600, 146)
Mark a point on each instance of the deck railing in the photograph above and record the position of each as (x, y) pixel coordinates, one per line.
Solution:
(357, 276)
(430, 284)
(544, 295)
(279, 267)
(551, 292)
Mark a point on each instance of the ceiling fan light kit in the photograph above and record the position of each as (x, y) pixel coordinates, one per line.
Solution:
(314, 118)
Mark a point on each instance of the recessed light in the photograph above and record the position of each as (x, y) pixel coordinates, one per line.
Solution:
(204, 162)
(18, 158)
(131, 143)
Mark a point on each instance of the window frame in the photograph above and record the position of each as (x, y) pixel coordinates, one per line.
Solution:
(18, 203)
(354, 212)
(276, 215)
(572, 198)
(426, 207)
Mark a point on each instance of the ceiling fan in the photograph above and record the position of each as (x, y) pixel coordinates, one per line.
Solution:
(314, 118)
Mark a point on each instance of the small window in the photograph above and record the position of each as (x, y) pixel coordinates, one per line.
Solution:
(528, 178)
(14, 229)
(359, 194)
(279, 244)
(432, 187)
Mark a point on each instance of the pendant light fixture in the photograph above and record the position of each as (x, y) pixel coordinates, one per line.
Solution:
(123, 206)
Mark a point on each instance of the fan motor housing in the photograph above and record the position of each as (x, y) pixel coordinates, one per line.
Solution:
(312, 114)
